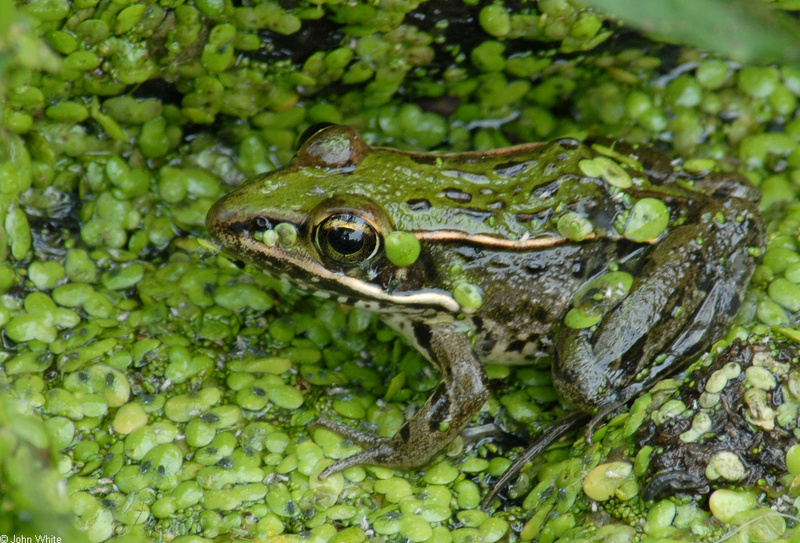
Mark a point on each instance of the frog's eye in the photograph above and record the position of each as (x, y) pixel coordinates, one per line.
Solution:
(347, 238)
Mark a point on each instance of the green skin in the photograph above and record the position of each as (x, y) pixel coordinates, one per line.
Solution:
(489, 219)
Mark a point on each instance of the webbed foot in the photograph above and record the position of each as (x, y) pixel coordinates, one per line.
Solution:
(377, 449)
(447, 411)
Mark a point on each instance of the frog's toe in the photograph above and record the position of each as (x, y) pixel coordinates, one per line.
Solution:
(378, 450)
(377, 455)
(363, 439)
(602, 414)
(398, 452)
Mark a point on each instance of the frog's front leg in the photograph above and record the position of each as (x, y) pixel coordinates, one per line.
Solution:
(447, 411)
(685, 295)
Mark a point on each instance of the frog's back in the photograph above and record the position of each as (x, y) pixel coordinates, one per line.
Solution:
(520, 192)
(530, 268)
(510, 193)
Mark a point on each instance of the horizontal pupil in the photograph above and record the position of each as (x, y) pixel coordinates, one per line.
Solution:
(346, 241)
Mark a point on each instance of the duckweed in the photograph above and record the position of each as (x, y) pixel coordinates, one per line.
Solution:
(574, 226)
(785, 294)
(441, 474)
(123, 278)
(771, 313)
(402, 248)
(493, 529)
(467, 295)
(91, 517)
(151, 362)
(614, 479)
(606, 169)
(725, 504)
(660, 517)
(649, 217)
(46, 275)
(129, 417)
(394, 488)
(596, 297)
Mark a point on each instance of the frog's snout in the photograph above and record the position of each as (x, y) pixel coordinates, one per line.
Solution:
(223, 221)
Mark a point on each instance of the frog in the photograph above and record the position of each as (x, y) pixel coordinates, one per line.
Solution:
(607, 260)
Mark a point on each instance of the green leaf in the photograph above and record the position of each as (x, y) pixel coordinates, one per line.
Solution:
(744, 30)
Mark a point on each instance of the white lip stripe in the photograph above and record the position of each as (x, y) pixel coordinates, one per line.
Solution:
(444, 301)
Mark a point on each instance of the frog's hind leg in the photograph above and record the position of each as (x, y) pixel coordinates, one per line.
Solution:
(694, 336)
(684, 296)
(446, 412)
(555, 431)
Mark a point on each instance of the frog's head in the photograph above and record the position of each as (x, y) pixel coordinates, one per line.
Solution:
(319, 225)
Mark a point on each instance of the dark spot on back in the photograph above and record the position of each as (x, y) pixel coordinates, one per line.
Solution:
(541, 216)
(424, 159)
(458, 195)
(569, 143)
(418, 204)
(516, 346)
(510, 169)
(548, 190)
(477, 214)
(630, 358)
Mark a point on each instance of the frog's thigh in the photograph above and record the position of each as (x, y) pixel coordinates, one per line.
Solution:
(447, 411)
(681, 300)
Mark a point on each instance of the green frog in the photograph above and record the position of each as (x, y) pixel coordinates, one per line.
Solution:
(604, 257)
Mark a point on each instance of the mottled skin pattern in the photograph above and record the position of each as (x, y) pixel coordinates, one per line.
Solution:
(489, 219)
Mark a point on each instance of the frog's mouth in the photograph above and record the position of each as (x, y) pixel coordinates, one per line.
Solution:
(282, 251)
